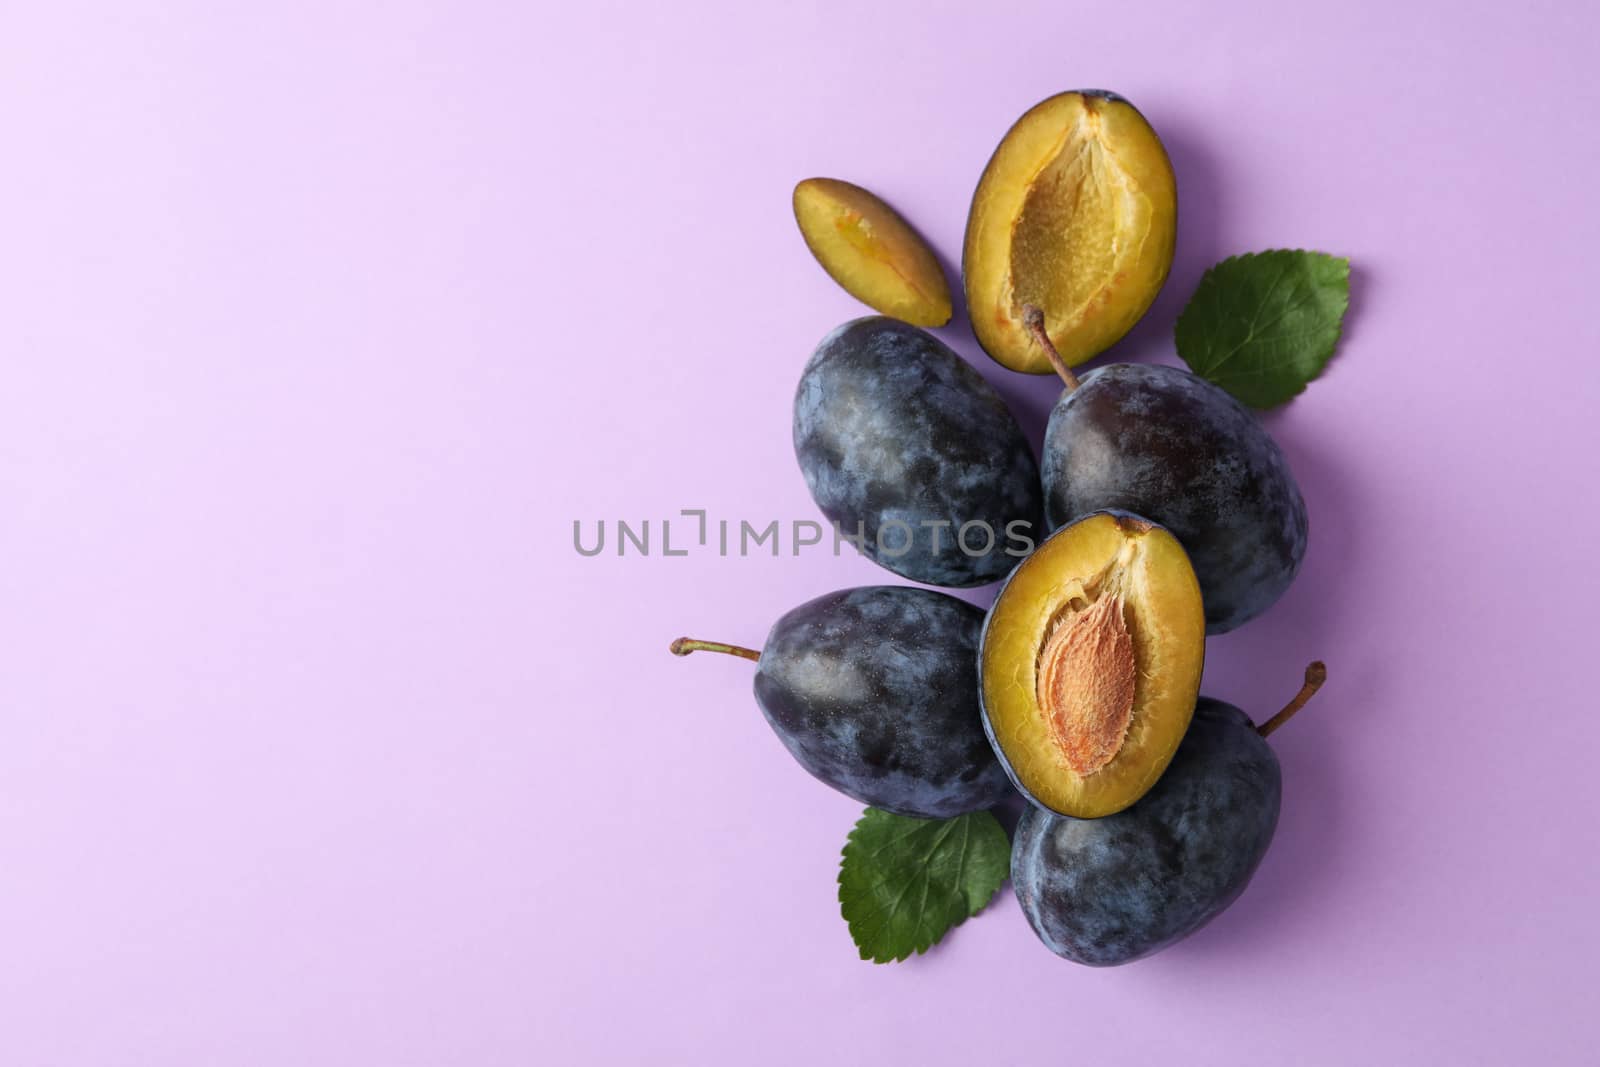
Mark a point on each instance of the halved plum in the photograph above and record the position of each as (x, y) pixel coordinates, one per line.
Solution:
(1076, 214)
(1089, 664)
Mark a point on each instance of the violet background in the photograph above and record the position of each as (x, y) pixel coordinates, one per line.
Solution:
(321, 323)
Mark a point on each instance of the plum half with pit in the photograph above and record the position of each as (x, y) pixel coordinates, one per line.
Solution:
(1090, 664)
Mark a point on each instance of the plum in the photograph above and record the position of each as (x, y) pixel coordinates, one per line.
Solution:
(875, 692)
(1162, 443)
(1076, 213)
(1090, 663)
(1108, 891)
(914, 456)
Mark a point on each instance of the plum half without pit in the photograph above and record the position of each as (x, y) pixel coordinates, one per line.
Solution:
(875, 692)
(1076, 213)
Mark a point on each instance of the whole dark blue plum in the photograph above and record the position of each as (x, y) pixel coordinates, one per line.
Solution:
(903, 443)
(875, 692)
(1113, 890)
(1162, 443)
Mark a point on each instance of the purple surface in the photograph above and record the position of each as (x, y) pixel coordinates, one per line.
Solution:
(321, 323)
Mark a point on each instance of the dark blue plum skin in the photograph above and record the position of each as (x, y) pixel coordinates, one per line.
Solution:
(875, 692)
(890, 424)
(1113, 890)
(1162, 443)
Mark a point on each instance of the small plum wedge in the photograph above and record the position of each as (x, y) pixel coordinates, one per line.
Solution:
(871, 251)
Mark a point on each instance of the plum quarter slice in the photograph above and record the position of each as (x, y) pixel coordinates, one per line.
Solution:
(1077, 214)
(871, 251)
(1090, 662)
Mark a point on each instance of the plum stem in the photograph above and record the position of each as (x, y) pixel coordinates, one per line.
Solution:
(1316, 674)
(1033, 319)
(685, 645)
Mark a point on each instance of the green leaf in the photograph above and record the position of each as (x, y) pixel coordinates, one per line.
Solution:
(904, 882)
(1261, 326)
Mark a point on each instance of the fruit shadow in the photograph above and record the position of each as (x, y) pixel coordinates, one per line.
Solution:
(1296, 880)
(1009, 813)
(1259, 667)
(1317, 606)
(1029, 396)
